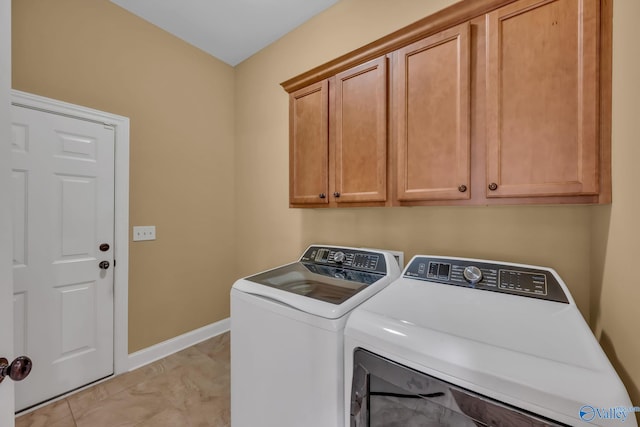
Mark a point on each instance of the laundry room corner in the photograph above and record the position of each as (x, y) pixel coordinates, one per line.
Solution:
(180, 103)
(615, 228)
(213, 167)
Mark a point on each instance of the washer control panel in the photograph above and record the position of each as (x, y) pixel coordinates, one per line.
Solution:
(508, 279)
(347, 258)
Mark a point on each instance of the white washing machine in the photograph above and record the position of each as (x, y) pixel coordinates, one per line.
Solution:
(464, 342)
(287, 347)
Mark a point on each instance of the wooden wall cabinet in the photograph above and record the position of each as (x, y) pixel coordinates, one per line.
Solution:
(338, 139)
(360, 119)
(542, 99)
(490, 102)
(431, 110)
(309, 145)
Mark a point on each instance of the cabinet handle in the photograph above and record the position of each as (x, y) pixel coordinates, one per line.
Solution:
(493, 186)
(336, 194)
(462, 188)
(322, 195)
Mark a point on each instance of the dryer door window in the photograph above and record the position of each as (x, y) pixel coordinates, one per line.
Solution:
(387, 394)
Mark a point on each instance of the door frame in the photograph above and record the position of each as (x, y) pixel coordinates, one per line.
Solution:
(121, 212)
(6, 246)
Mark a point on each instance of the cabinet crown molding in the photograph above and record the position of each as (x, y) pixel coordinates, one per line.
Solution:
(455, 14)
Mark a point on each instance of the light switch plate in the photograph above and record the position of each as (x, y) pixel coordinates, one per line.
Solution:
(144, 232)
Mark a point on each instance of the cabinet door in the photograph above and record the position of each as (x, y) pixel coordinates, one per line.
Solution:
(542, 99)
(361, 133)
(309, 144)
(431, 99)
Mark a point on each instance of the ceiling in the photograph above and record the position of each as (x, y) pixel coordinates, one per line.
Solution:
(230, 30)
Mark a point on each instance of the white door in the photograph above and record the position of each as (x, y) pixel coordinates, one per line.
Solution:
(63, 211)
(6, 313)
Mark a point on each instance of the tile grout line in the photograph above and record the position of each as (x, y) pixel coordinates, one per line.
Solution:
(73, 416)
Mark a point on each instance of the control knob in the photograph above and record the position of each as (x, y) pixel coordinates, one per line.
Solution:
(338, 257)
(472, 274)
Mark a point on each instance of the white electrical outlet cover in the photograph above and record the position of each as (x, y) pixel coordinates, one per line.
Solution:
(144, 232)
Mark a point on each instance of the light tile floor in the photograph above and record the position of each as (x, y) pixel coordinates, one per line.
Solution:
(187, 389)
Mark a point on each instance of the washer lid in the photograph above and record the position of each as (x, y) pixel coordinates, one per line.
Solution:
(322, 282)
(328, 281)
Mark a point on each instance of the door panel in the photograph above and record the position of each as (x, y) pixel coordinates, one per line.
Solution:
(75, 201)
(432, 105)
(63, 183)
(542, 77)
(361, 133)
(309, 144)
(19, 183)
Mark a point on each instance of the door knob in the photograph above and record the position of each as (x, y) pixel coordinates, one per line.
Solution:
(18, 370)
(104, 247)
(104, 265)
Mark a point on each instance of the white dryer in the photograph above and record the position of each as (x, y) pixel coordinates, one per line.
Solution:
(465, 342)
(287, 345)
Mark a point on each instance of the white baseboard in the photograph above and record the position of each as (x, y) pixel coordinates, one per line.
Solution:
(173, 345)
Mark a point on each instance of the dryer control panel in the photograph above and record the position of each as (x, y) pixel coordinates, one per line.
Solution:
(487, 276)
(345, 257)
